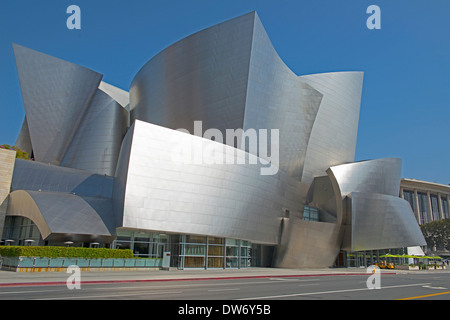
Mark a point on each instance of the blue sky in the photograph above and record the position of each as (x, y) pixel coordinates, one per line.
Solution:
(405, 108)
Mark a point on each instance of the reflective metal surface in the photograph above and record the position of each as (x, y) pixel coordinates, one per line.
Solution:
(333, 137)
(381, 222)
(166, 193)
(31, 175)
(228, 76)
(62, 217)
(374, 176)
(64, 203)
(279, 99)
(201, 77)
(373, 216)
(56, 95)
(96, 145)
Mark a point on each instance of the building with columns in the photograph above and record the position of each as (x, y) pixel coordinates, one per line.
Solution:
(429, 201)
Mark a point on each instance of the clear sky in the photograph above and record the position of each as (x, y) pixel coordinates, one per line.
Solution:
(405, 108)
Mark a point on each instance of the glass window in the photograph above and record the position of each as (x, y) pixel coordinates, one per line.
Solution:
(423, 207)
(232, 262)
(445, 207)
(215, 262)
(194, 262)
(212, 240)
(232, 251)
(194, 250)
(409, 196)
(232, 242)
(215, 250)
(310, 214)
(195, 239)
(435, 207)
(141, 248)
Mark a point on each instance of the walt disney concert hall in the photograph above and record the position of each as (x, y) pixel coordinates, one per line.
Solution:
(218, 154)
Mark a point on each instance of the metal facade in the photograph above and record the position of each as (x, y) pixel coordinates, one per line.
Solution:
(56, 95)
(119, 163)
(164, 192)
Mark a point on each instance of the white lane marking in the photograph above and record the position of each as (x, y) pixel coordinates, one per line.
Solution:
(439, 288)
(328, 292)
(224, 289)
(111, 295)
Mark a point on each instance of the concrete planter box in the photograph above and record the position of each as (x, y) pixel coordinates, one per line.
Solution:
(33, 264)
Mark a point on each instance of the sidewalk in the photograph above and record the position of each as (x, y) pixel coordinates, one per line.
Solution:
(9, 278)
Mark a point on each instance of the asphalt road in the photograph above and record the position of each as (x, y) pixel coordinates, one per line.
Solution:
(250, 290)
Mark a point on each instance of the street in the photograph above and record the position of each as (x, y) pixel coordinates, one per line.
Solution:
(426, 286)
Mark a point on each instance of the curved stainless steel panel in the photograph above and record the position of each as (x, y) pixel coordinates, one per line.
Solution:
(229, 76)
(121, 96)
(333, 137)
(31, 175)
(202, 77)
(170, 194)
(61, 216)
(96, 146)
(56, 95)
(279, 99)
(372, 176)
(382, 222)
(372, 214)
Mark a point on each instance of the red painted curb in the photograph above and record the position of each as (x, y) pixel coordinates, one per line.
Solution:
(57, 283)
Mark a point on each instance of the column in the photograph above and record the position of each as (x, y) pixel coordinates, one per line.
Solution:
(416, 199)
(441, 211)
(448, 204)
(430, 208)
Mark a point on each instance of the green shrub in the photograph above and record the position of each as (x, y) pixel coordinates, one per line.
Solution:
(64, 252)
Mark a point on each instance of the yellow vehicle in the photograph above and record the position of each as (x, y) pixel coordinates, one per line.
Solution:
(384, 265)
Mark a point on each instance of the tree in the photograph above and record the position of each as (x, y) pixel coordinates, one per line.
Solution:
(19, 153)
(437, 234)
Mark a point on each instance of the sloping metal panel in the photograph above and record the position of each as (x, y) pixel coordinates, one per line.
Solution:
(31, 175)
(56, 95)
(382, 222)
(333, 137)
(60, 216)
(373, 176)
(372, 214)
(229, 76)
(121, 96)
(166, 193)
(202, 77)
(278, 99)
(96, 146)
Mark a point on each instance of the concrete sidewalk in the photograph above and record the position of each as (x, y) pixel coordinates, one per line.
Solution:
(10, 278)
